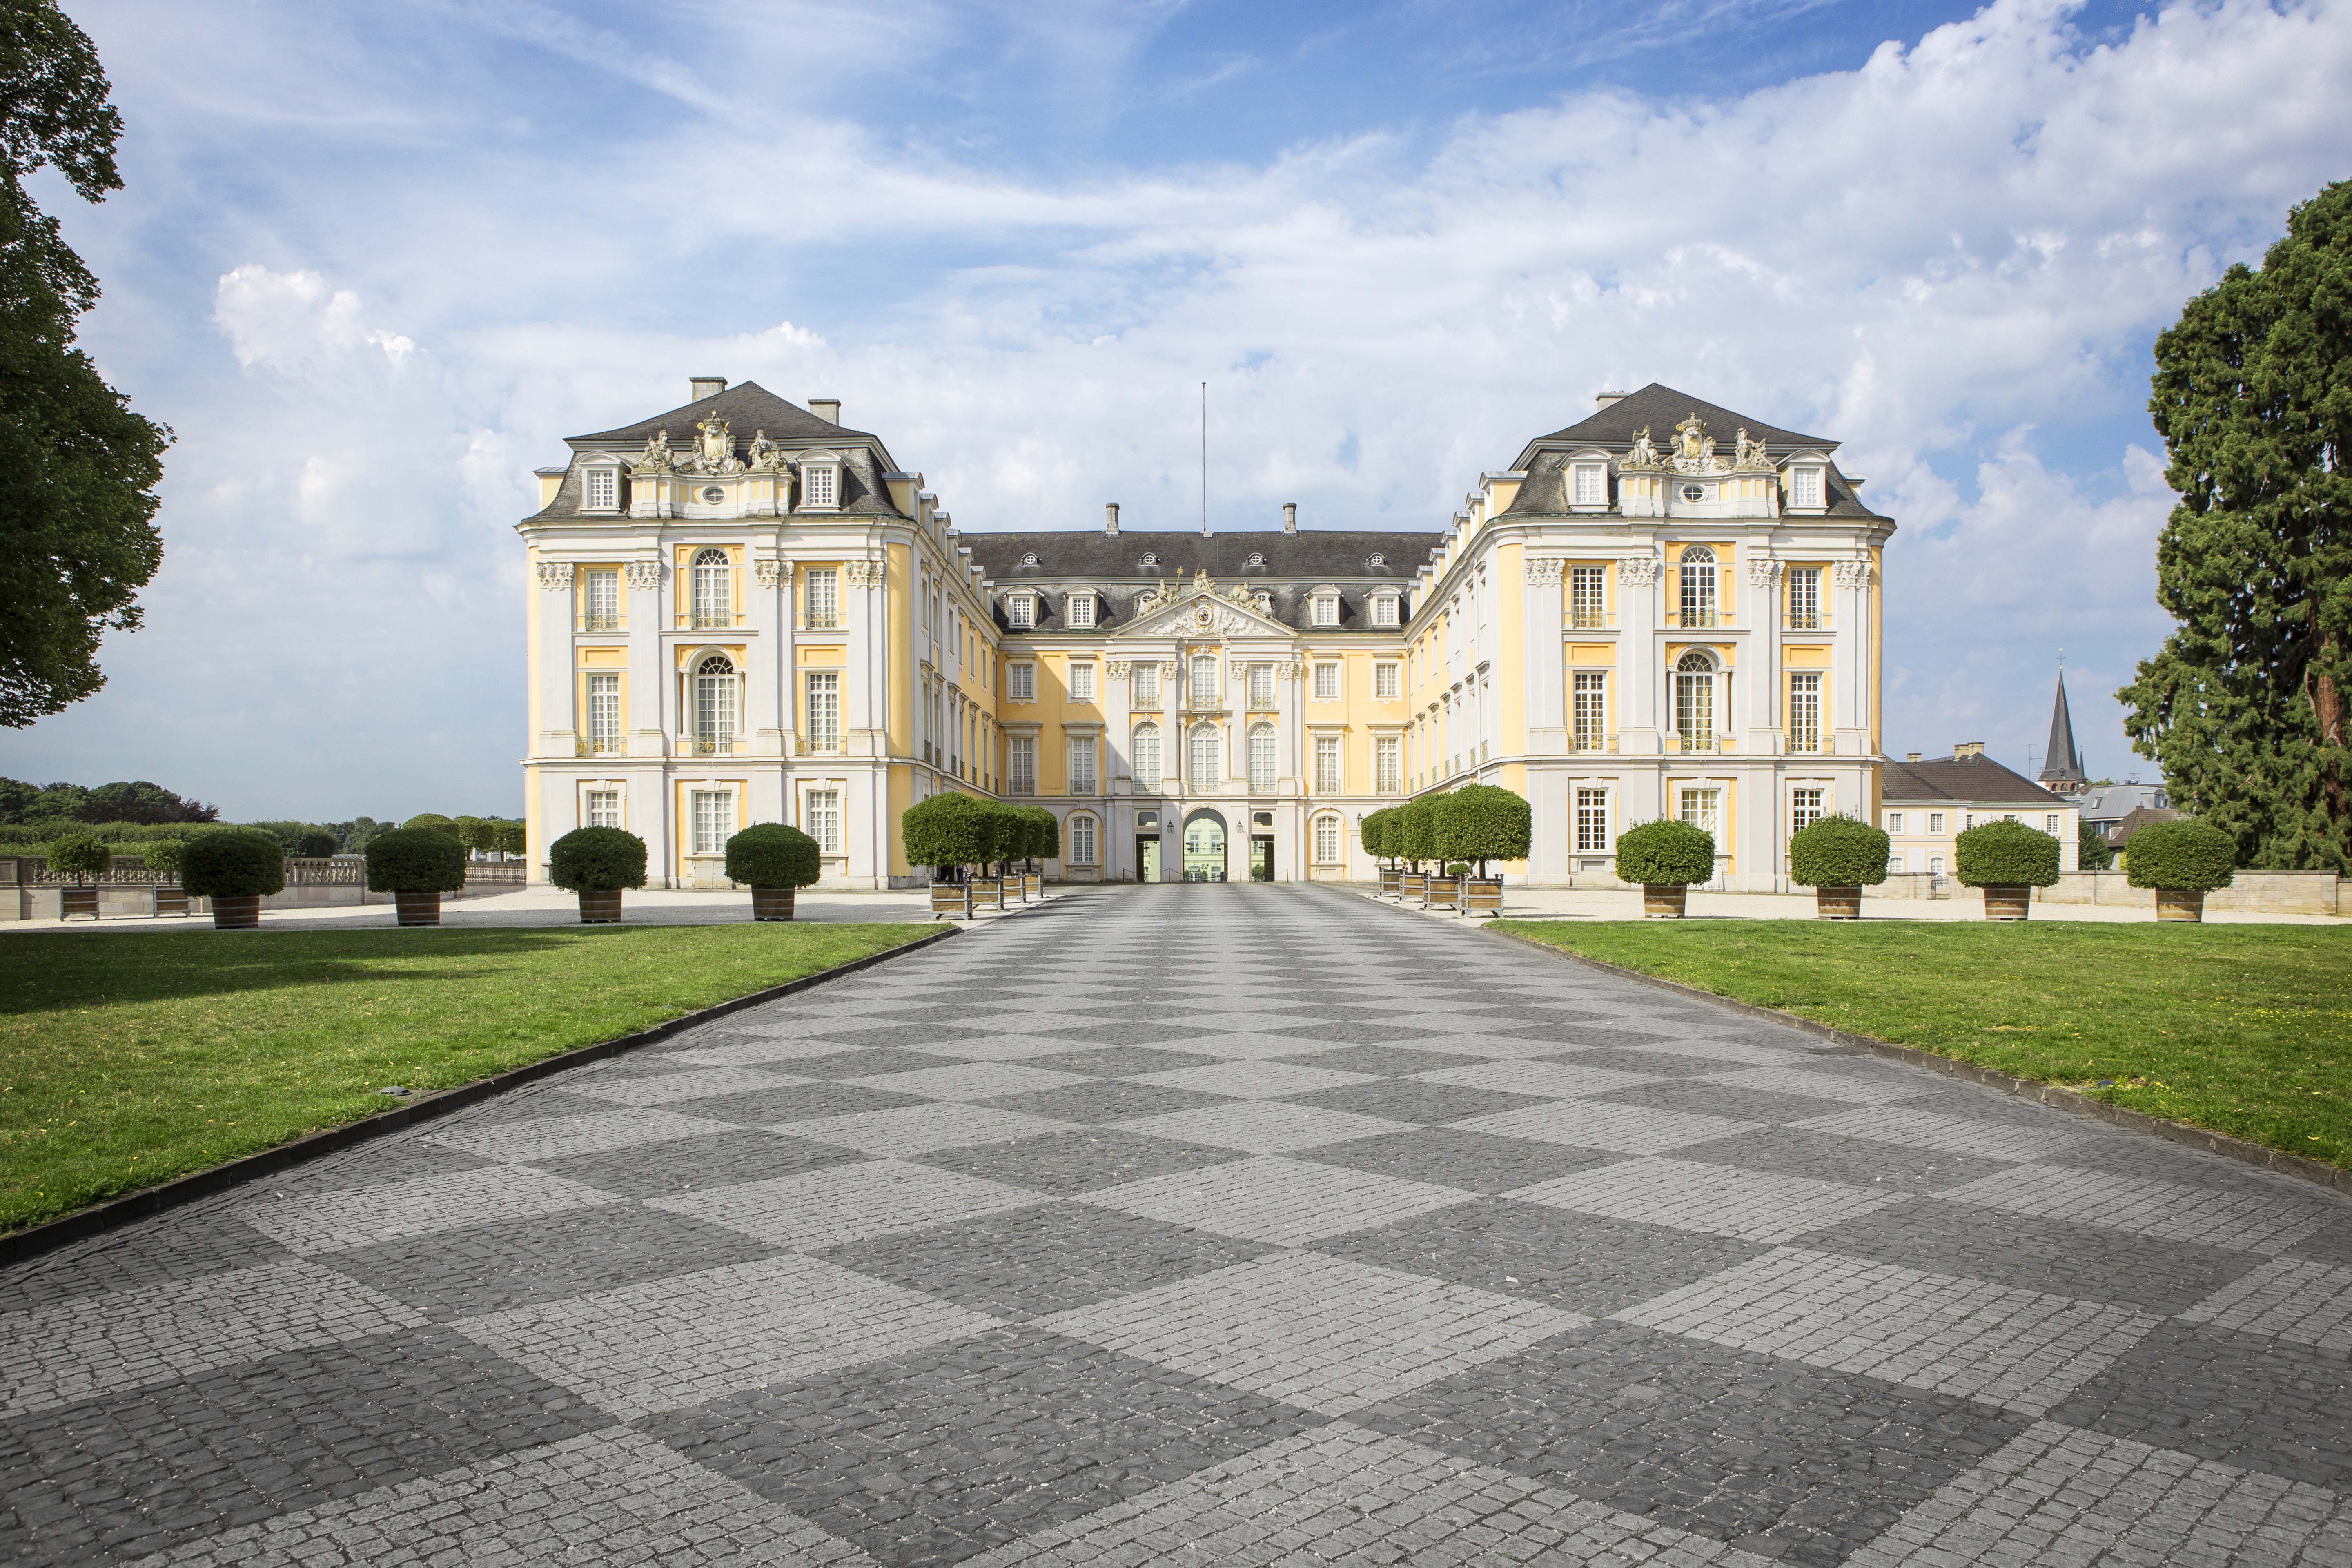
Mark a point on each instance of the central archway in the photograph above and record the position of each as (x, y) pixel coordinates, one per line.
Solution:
(1204, 847)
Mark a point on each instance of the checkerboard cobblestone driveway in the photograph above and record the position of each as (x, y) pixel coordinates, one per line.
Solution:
(1206, 1225)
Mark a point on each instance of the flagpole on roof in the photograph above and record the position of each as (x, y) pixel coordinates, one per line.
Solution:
(1204, 459)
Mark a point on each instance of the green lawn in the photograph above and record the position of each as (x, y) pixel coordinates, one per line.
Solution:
(127, 1059)
(2243, 1029)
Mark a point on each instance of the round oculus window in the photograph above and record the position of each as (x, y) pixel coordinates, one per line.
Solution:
(712, 495)
(1693, 492)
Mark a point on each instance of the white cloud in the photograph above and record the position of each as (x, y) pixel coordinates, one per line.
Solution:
(293, 323)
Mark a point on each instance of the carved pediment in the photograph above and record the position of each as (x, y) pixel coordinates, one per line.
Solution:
(1202, 610)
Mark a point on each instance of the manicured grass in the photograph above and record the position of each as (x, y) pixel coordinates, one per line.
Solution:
(2242, 1029)
(127, 1059)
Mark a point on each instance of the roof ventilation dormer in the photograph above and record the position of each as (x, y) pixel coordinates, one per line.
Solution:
(705, 386)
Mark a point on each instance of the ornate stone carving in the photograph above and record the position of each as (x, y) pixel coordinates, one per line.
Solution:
(1544, 570)
(714, 448)
(1852, 574)
(644, 577)
(766, 456)
(657, 459)
(1644, 453)
(1751, 456)
(555, 576)
(866, 573)
(1763, 571)
(1694, 450)
(1118, 668)
(1642, 573)
(768, 573)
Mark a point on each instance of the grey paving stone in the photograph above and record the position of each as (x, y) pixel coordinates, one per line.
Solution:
(2253, 1402)
(1263, 1126)
(1905, 1127)
(2288, 1298)
(2266, 1220)
(1712, 1096)
(937, 1456)
(795, 1102)
(1079, 1161)
(522, 1104)
(1030, 1263)
(975, 1021)
(913, 1129)
(1802, 1151)
(1387, 1061)
(816, 1209)
(690, 1165)
(375, 1165)
(1751, 1206)
(1356, 1033)
(1256, 1079)
(1112, 1031)
(1451, 1157)
(549, 1138)
(186, 1244)
(1285, 1202)
(1601, 1124)
(845, 1063)
(1121, 1061)
(356, 1216)
(1417, 1101)
(1108, 1099)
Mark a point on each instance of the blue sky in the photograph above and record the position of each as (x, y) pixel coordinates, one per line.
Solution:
(373, 263)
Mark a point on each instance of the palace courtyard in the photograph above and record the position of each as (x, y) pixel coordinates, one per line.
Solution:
(1206, 1223)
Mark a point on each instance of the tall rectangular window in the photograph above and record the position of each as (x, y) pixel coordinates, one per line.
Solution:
(603, 808)
(1206, 770)
(1021, 764)
(1079, 609)
(1805, 487)
(1261, 686)
(1388, 764)
(1326, 682)
(1386, 686)
(714, 820)
(1591, 821)
(1804, 712)
(1147, 686)
(1020, 610)
(1204, 681)
(1893, 821)
(1702, 807)
(1804, 808)
(1147, 756)
(1697, 576)
(604, 489)
(603, 714)
(1263, 764)
(1082, 839)
(1327, 841)
(600, 608)
(1082, 764)
(1326, 765)
(714, 589)
(1021, 682)
(824, 711)
(1591, 485)
(824, 598)
(1326, 610)
(1592, 709)
(1587, 599)
(1384, 610)
(1935, 822)
(1082, 680)
(1805, 598)
(825, 819)
(2049, 824)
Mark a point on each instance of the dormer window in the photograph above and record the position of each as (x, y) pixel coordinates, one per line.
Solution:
(1254, 559)
(1326, 609)
(1150, 561)
(603, 488)
(1807, 486)
(1376, 560)
(1384, 610)
(1030, 559)
(1589, 485)
(1078, 610)
(820, 483)
(1021, 609)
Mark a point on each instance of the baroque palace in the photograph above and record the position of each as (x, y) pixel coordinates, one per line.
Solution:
(745, 612)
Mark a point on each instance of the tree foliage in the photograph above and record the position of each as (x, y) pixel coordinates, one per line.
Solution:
(1837, 852)
(2244, 704)
(2183, 855)
(2091, 850)
(1482, 823)
(594, 859)
(2005, 854)
(1374, 830)
(414, 860)
(773, 855)
(948, 830)
(1047, 842)
(1414, 837)
(78, 537)
(82, 854)
(1665, 854)
(233, 863)
(125, 800)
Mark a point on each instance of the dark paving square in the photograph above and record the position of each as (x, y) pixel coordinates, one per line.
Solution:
(2328, 1244)
(936, 1457)
(1064, 1163)
(1115, 1032)
(143, 1471)
(1575, 1036)
(1389, 1061)
(1349, 1033)
(375, 1164)
(1657, 1064)
(865, 1064)
(182, 1244)
(2031, 1252)
(1030, 1263)
(515, 1262)
(2257, 1403)
(1404, 1100)
(2147, 1160)
(1120, 1061)
(529, 1105)
(1109, 1100)
(1579, 1263)
(864, 1037)
(1532, 1013)
(1857, 1162)
(691, 1164)
(1709, 1099)
(1451, 1157)
(1785, 1460)
(794, 1102)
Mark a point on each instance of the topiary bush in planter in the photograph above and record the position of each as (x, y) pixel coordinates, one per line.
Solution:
(415, 866)
(1482, 823)
(436, 821)
(597, 863)
(1665, 857)
(162, 857)
(772, 860)
(236, 867)
(1837, 857)
(81, 856)
(1417, 831)
(946, 832)
(2183, 860)
(2007, 859)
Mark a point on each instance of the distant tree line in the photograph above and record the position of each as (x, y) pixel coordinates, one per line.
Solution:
(128, 814)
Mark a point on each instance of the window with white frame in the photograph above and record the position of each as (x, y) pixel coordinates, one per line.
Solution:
(1021, 609)
(1695, 701)
(713, 814)
(1384, 610)
(1146, 756)
(2049, 824)
(1326, 765)
(600, 601)
(603, 489)
(821, 590)
(824, 818)
(1698, 586)
(1206, 770)
(714, 589)
(1701, 806)
(1326, 609)
(1805, 487)
(1936, 865)
(1894, 864)
(1893, 821)
(1386, 685)
(714, 705)
(821, 485)
(1082, 764)
(824, 711)
(1078, 610)
(1327, 682)
(1592, 484)
(1147, 686)
(1587, 603)
(1021, 764)
(1021, 682)
(1082, 839)
(1804, 712)
(1592, 709)
(1261, 686)
(1804, 599)
(603, 714)
(603, 808)
(1263, 764)
(1327, 841)
(1082, 680)
(1205, 680)
(1591, 821)
(1935, 822)
(1804, 807)
(1388, 764)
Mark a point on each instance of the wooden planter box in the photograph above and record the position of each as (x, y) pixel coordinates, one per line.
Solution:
(1482, 894)
(1662, 902)
(600, 907)
(417, 909)
(987, 893)
(2175, 904)
(950, 902)
(242, 913)
(72, 901)
(1391, 881)
(1033, 885)
(1445, 893)
(169, 901)
(771, 903)
(1837, 903)
(1413, 885)
(2008, 903)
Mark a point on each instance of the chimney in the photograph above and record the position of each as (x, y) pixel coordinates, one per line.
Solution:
(706, 387)
(1111, 517)
(1910, 756)
(1966, 749)
(1290, 517)
(1606, 398)
(826, 408)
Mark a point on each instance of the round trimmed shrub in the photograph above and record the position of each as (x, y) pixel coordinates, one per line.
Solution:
(436, 822)
(1482, 823)
(1047, 843)
(315, 846)
(234, 863)
(1373, 832)
(1457, 868)
(771, 854)
(414, 860)
(2181, 856)
(1416, 832)
(161, 856)
(83, 853)
(2006, 854)
(1665, 854)
(595, 861)
(946, 831)
(1837, 852)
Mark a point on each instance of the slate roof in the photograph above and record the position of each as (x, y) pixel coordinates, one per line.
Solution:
(747, 407)
(2064, 763)
(1960, 779)
(2120, 834)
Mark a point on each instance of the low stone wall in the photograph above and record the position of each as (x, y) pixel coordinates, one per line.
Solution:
(2249, 892)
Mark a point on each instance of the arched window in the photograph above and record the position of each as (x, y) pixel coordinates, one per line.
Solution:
(1147, 756)
(1327, 841)
(714, 589)
(1205, 680)
(1261, 758)
(1699, 587)
(714, 703)
(1206, 773)
(1081, 839)
(1695, 701)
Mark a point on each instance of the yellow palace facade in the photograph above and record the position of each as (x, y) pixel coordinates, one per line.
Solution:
(743, 611)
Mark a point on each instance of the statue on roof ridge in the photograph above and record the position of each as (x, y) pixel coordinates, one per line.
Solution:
(715, 451)
(766, 456)
(657, 458)
(1643, 453)
(1696, 444)
(1752, 453)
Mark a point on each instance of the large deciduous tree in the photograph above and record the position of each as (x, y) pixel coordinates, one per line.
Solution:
(78, 537)
(2244, 706)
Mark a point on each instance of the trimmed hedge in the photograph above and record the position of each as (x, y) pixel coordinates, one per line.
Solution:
(771, 854)
(1482, 823)
(2006, 854)
(1046, 844)
(83, 853)
(1416, 831)
(233, 863)
(1837, 852)
(595, 861)
(414, 860)
(2182, 856)
(1665, 854)
(1373, 831)
(436, 822)
(946, 831)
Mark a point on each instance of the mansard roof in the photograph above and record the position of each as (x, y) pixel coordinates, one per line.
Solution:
(1977, 780)
(747, 407)
(1324, 555)
(1661, 408)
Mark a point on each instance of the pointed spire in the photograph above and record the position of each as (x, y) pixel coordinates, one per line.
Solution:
(2063, 771)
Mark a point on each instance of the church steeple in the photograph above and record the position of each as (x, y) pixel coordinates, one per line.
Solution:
(2062, 772)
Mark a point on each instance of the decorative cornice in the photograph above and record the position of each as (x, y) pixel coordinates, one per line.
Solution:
(866, 573)
(644, 577)
(768, 573)
(1852, 574)
(1545, 571)
(555, 576)
(1642, 573)
(1763, 571)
